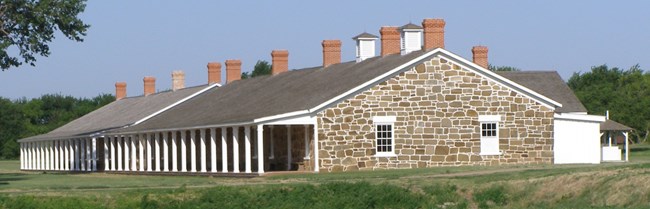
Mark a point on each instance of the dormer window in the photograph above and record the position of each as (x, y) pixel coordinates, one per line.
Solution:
(411, 38)
(365, 46)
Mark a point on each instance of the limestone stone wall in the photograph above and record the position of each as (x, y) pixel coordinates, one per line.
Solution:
(437, 104)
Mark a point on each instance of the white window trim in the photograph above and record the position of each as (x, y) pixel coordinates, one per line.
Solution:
(385, 120)
(489, 119)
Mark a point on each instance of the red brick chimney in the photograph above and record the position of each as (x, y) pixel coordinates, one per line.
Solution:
(390, 40)
(280, 60)
(434, 33)
(178, 80)
(120, 90)
(480, 56)
(233, 70)
(149, 85)
(331, 52)
(214, 72)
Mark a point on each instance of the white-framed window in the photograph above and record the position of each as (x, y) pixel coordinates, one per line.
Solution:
(489, 125)
(384, 135)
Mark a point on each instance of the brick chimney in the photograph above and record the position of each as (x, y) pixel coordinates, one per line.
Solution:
(149, 85)
(331, 52)
(434, 33)
(280, 60)
(390, 40)
(480, 56)
(214, 72)
(178, 80)
(120, 90)
(233, 70)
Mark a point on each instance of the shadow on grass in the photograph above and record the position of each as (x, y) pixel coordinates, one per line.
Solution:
(6, 178)
(639, 149)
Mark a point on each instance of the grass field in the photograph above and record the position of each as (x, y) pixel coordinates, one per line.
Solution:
(608, 185)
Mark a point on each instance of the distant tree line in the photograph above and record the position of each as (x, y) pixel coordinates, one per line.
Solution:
(24, 118)
(624, 92)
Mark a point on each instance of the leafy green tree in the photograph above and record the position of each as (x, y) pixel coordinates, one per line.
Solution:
(24, 118)
(625, 93)
(502, 68)
(261, 68)
(28, 26)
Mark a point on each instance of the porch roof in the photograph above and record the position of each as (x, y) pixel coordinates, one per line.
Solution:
(610, 125)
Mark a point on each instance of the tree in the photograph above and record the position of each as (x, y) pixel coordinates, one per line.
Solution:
(28, 26)
(261, 68)
(24, 118)
(502, 68)
(625, 93)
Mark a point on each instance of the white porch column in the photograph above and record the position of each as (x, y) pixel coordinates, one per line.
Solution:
(113, 157)
(106, 151)
(127, 152)
(22, 153)
(55, 146)
(165, 152)
(193, 150)
(119, 152)
(82, 158)
(149, 153)
(134, 157)
(77, 154)
(87, 153)
(247, 148)
(27, 155)
(213, 150)
(306, 142)
(627, 147)
(183, 152)
(39, 150)
(174, 153)
(94, 149)
(203, 152)
(32, 156)
(224, 150)
(271, 144)
(235, 149)
(157, 140)
(141, 142)
(260, 148)
(47, 155)
(68, 155)
(62, 158)
(73, 154)
(316, 164)
(289, 157)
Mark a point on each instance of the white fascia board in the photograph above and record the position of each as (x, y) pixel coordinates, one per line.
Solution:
(281, 116)
(500, 79)
(302, 120)
(580, 117)
(176, 103)
(470, 65)
(183, 128)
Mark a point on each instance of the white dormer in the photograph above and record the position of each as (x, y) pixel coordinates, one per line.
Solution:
(365, 46)
(411, 38)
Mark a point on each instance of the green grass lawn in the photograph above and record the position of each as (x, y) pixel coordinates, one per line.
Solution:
(607, 185)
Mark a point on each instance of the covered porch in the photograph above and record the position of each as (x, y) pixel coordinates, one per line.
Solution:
(614, 139)
(235, 150)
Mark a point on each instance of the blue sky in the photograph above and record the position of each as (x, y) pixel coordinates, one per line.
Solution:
(132, 39)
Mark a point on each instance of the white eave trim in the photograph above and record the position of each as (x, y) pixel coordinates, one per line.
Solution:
(544, 100)
(176, 103)
(580, 117)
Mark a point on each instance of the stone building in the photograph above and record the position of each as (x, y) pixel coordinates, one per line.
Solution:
(415, 105)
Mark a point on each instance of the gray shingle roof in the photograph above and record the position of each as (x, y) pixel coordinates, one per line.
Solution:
(365, 35)
(246, 100)
(549, 84)
(610, 125)
(117, 114)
